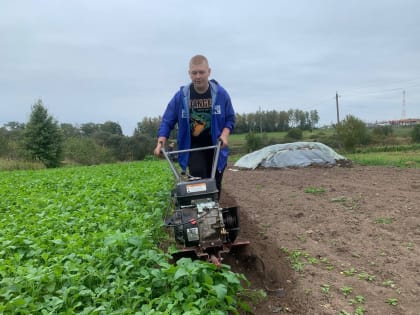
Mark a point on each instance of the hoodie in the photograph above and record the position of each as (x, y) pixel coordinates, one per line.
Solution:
(177, 112)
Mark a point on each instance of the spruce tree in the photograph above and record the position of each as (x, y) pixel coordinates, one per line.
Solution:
(43, 138)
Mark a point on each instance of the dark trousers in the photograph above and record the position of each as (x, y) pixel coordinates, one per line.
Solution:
(200, 165)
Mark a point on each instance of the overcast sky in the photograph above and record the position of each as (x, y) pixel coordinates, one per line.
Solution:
(122, 60)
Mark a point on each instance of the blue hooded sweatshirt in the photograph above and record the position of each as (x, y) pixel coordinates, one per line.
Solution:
(177, 111)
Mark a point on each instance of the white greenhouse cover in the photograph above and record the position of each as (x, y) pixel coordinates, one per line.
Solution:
(296, 154)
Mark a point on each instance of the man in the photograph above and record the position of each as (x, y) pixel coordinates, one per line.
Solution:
(204, 114)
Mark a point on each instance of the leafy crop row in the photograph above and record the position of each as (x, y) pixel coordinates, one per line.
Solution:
(85, 241)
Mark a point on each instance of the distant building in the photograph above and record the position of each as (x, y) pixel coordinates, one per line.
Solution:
(409, 122)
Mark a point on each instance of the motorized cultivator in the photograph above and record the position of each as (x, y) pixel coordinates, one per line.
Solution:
(201, 227)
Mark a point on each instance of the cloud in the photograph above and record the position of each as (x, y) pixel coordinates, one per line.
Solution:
(92, 61)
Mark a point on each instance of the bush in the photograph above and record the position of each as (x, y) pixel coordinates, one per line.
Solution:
(85, 151)
(255, 142)
(294, 134)
(352, 132)
(383, 131)
(333, 141)
(415, 134)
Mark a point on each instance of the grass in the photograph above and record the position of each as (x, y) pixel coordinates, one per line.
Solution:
(9, 165)
(403, 159)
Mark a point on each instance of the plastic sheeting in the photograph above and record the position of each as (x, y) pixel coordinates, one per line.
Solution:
(296, 154)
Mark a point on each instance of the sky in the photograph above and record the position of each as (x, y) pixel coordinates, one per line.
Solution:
(123, 60)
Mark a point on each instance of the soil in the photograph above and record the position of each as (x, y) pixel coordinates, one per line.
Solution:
(328, 240)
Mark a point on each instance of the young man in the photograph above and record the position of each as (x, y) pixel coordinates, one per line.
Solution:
(204, 113)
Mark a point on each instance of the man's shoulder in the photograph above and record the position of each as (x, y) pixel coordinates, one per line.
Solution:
(184, 89)
(216, 86)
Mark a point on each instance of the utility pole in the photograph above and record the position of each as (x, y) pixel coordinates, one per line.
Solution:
(336, 104)
(403, 106)
(260, 120)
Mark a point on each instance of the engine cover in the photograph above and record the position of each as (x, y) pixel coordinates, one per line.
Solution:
(186, 193)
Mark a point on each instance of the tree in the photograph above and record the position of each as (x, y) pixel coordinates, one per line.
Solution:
(111, 128)
(70, 131)
(352, 131)
(85, 151)
(42, 137)
(88, 129)
(148, 127)
(11, 140)
(314, 117)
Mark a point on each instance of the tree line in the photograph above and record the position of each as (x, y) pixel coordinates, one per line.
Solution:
(43, 139)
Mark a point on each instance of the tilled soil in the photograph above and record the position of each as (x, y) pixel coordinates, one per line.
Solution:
(329, 240)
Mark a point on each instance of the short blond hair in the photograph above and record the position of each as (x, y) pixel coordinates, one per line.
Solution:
(198, 60)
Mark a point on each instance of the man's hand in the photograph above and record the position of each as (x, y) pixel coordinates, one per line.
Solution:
(224, 140)
(224, 137)
(159, 146)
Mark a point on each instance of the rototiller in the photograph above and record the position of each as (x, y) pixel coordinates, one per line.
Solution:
(202, 229)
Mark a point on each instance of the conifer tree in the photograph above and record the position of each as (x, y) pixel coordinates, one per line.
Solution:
(42, 137)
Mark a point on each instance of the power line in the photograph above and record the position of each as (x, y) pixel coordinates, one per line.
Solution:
(374, 92)
(387, 84)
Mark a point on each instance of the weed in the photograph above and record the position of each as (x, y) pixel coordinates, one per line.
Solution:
(392, 301)
(410, 246)
(341, 199)
(382, 220)
(349, 273)
(388, 284)
(366, 276)
(296, 258)
(315, 190)
(346, 290)
(259, 187)
(360, 310)
(301, 238)
(298, 266)
(359, 299)
(313, 260)
(325, 289)
(324, 260)
(327, 264)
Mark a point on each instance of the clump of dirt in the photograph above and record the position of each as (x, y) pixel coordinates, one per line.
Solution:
(325, 240)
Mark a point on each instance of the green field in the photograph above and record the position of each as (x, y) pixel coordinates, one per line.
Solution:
(399, 159)
(86, 240)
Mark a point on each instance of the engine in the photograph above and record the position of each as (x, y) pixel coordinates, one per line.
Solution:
(198, 220)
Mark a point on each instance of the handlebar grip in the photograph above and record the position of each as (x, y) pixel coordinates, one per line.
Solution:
(221, 141)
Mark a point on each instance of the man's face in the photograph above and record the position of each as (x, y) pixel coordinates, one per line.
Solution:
(199, 74)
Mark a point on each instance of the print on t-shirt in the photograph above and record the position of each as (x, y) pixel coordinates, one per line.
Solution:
(200, 116)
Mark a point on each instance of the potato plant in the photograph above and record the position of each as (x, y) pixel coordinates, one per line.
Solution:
(86, 240)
